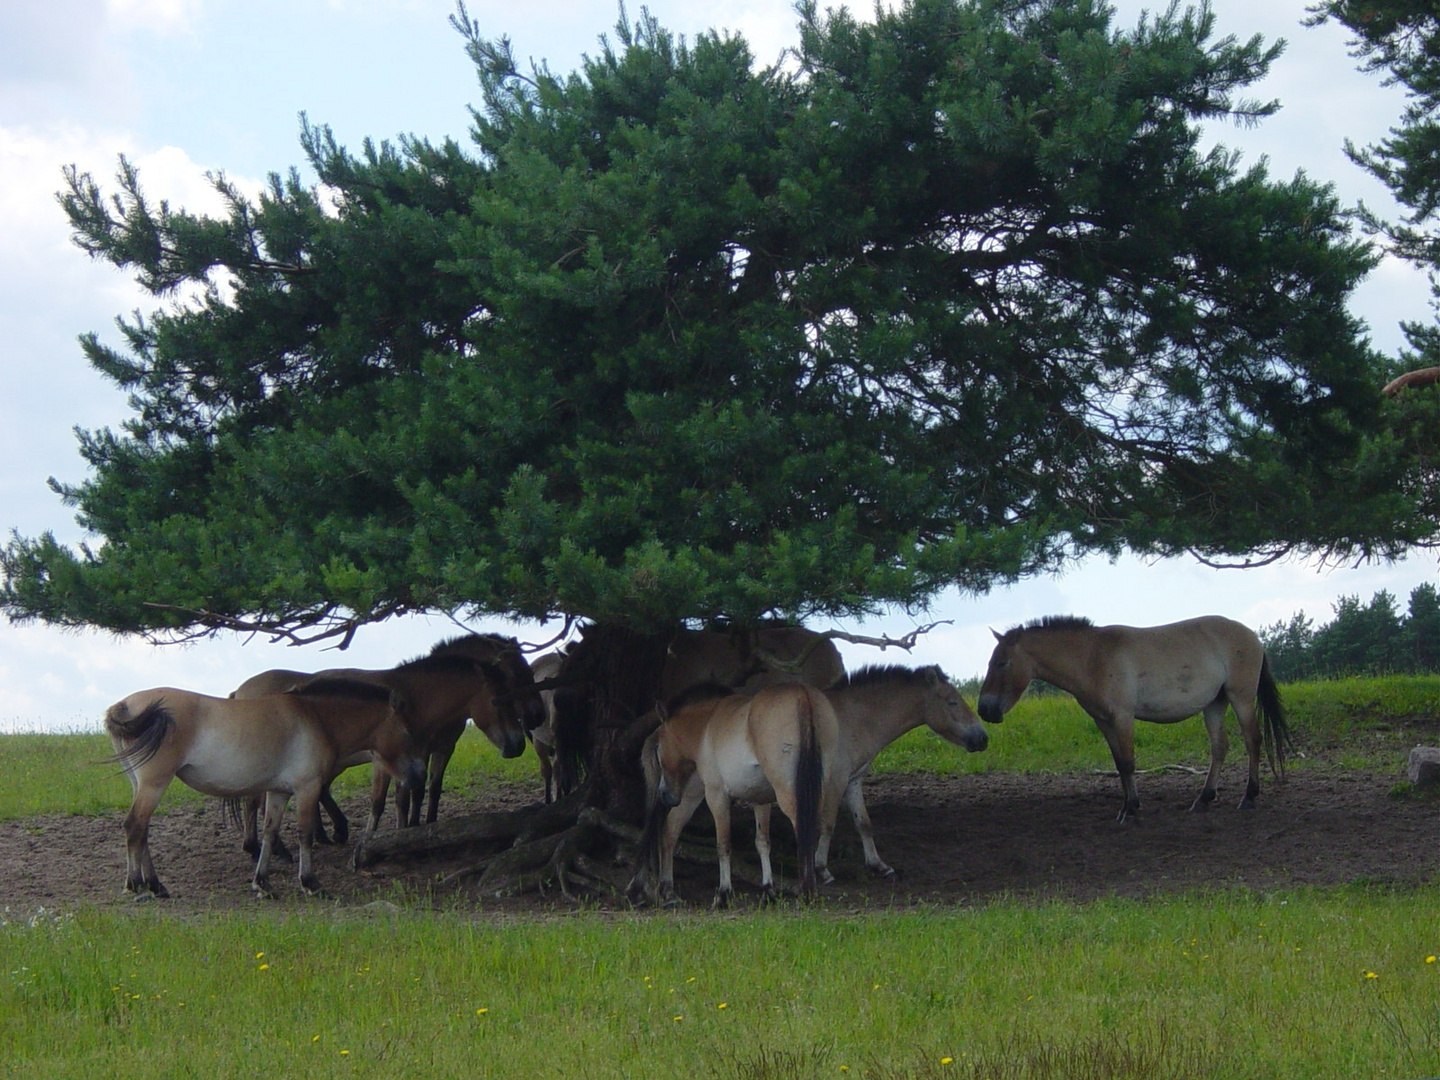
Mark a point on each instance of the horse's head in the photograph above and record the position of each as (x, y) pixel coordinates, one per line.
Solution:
(497, 710)
(1009, 673)
(949, 715)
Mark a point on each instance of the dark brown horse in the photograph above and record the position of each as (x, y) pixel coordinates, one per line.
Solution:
(1164, 674)
(273, 746)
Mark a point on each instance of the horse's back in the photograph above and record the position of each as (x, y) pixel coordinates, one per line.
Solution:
(275, 681)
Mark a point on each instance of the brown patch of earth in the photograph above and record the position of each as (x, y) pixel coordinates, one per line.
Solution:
(955, 840)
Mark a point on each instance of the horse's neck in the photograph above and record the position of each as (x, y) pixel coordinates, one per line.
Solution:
(874, 716)
(1067, 659)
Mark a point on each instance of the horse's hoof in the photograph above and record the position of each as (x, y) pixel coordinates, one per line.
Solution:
(1246, 804)
(823, 875)
(1199, 806)
(670, 902)
(722, 900)
(887, 873)
(262, 890)
(768, 895)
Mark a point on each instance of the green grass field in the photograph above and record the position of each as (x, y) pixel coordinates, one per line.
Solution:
(1309, 983)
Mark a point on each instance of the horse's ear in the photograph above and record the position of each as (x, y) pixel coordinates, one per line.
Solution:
(998, 636)
(399, 703)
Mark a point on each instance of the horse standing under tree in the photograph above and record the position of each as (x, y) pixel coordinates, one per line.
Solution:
(775, 746)
(1163, 674)
(273, 746)
(464, 678)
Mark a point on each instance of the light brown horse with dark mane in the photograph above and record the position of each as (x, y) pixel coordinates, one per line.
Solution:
(274, 746)
(1163, 674)
(776, 746)
(463, 678)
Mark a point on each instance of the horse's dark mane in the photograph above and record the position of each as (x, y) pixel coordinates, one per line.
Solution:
(876, 674)
(338, 686)
(463, 641)
(445, 663)
(693, 695)
(1053, 622)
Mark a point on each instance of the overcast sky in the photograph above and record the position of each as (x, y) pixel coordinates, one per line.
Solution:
(186, 86)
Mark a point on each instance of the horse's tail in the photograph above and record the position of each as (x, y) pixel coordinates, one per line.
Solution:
(1277, 731)
(648, 856)
(809, 776)
(143, 733)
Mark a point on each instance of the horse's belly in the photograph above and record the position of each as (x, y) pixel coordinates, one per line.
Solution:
(230, 781)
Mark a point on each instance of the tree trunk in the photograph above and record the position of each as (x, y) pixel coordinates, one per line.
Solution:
(603, 720)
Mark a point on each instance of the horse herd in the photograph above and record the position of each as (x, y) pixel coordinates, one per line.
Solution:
(768, 717)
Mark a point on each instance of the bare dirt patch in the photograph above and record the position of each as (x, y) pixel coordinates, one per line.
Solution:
(954, 840)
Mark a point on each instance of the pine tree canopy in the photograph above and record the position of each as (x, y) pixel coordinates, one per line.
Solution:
(942, 299)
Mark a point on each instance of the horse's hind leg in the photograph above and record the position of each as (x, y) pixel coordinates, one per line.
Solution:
(762, 848)
(1214, 715)
(307, 814)
(855, 800)
(1250, 732)
(720, 811)
(140, 877)
(274, 812)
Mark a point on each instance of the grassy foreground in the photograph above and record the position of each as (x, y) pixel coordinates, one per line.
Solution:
(1335, 984)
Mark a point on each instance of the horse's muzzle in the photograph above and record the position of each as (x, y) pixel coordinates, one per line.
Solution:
(989, 709)
(666, 795)
(976, 740)
(514, 744)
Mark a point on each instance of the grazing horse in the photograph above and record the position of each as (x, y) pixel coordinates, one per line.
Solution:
(274, 746)
(776, 746)
(441, 691)
(875, 706)
(1164, 674)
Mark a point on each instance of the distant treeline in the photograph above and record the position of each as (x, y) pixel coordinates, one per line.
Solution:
(1362, 639)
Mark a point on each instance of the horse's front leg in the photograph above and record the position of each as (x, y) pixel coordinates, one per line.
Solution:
(762, 848)
(379, 789)
(338, 819)
(439, 760)
(141, 881)
(855, 801)
(274, 812)
(1214, 715)
(1119, 732)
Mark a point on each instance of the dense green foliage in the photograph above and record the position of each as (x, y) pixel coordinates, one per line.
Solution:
(950, 297)
(1326, 984)
(1362, 639)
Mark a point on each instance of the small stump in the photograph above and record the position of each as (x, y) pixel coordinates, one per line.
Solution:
(1423, 768)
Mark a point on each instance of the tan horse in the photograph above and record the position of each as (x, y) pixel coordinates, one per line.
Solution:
(776, 746)
(440, 690)
(275, 746)
(1164, 674)
(875, 706)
